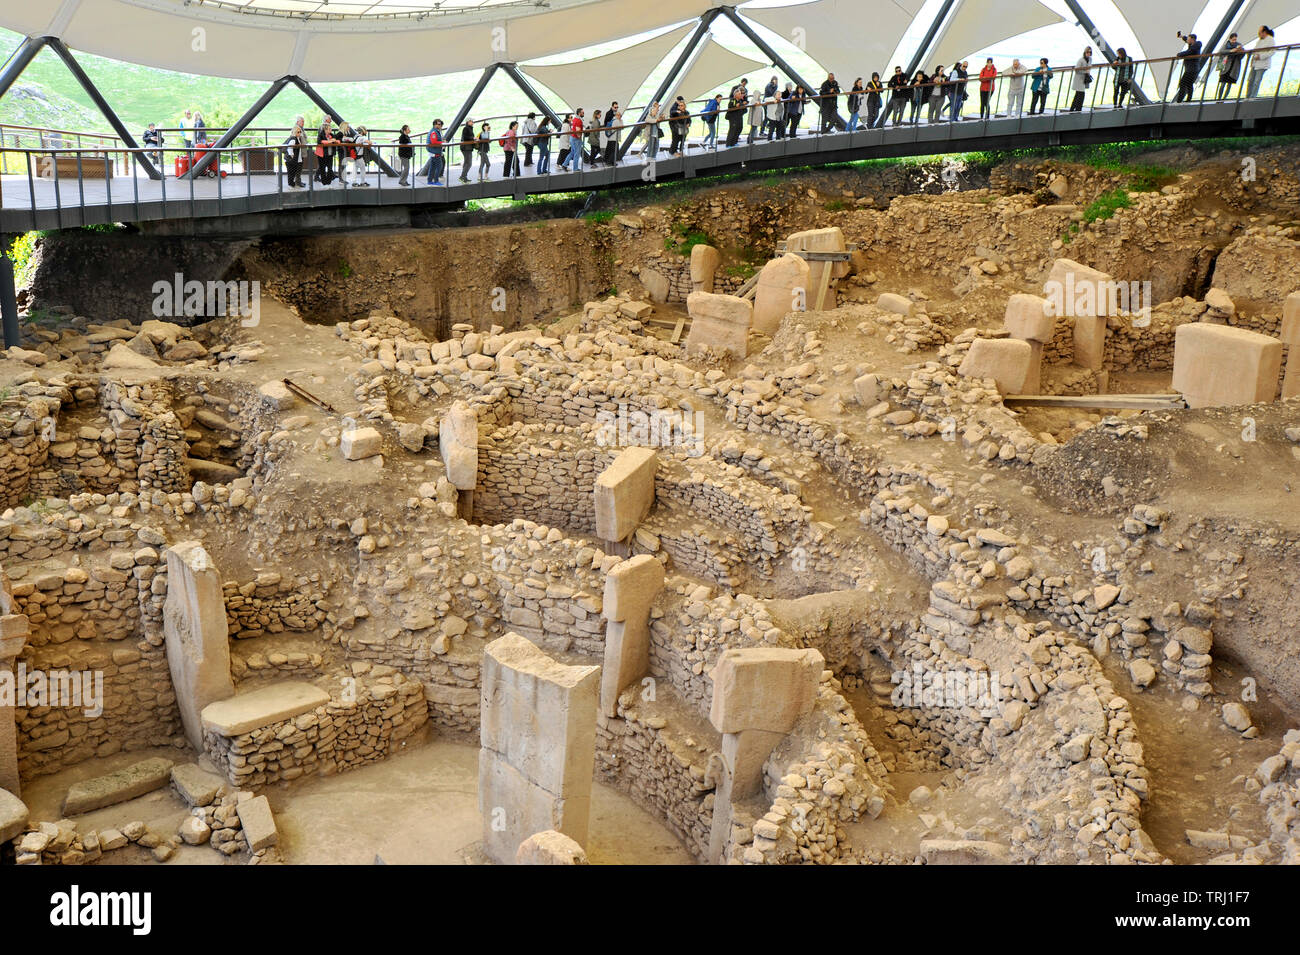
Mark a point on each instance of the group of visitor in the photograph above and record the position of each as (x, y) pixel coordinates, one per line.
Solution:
(774, 112)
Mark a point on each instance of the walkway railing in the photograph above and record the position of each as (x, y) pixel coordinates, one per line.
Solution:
(48, 186)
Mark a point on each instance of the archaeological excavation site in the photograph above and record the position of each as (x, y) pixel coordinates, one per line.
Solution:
(902, 513)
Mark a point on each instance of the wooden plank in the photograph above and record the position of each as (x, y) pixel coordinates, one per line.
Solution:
(1127, 402)
(677, 332)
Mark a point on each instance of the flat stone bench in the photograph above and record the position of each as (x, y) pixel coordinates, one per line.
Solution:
(135, 780)
(261, 707)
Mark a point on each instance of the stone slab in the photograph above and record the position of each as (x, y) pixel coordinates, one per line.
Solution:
(196, 785)
(258, 822)
(13, 816)
(625, 492)
(1222, 365)
(1006, 360)
(764, 688)
(262, 707)
(1030, 318)
(113, 788)
(720, 322)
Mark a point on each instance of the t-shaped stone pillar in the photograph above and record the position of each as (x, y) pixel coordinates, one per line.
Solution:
(625, 492)
(721, 322)
(630, 589)
(1085, 294)
(458, 442)
(1031, 319)
(759, 694)
(196, 635)
(14, 629)
(820, 271)
(538, 737)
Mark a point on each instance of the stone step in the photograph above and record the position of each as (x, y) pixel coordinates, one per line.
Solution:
(254, 709)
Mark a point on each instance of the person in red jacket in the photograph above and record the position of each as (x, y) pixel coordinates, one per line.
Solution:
(987, 75)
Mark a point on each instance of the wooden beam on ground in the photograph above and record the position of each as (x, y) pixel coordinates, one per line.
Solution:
(677, 332)
(1127, 402)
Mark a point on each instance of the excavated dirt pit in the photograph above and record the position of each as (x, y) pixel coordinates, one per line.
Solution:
(1113, 588)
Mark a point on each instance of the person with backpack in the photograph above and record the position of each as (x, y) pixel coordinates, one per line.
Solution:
(544, 147)
(794, 106)
(433, 145)
(1039, 87)
(467, 143)
(771, 92)
(484, 151)
(405, 153)
(709, 114)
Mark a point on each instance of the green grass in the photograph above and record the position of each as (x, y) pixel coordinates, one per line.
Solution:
(687, 239)
(602, 217)
(836, 205)
(345, 270)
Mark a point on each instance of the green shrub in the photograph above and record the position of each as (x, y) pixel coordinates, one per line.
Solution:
(601, 217)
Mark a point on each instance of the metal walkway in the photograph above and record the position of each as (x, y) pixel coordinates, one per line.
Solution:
(30, 202)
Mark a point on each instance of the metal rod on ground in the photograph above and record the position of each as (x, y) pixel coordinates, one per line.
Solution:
(701, 31)
(335, 115)
(19, 60)
(1090, 28)
(55, 44)
(1138, 402)
(9, 303)
(240, 125)
(306, 395)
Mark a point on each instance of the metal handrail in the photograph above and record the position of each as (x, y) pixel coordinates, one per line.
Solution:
(44, 161)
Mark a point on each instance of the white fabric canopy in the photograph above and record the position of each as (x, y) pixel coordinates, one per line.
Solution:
(220, 41)
(1156, 27)
(1268, 13)
(846, 37)
(714, 66)
(615, 76)
(979, 24)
